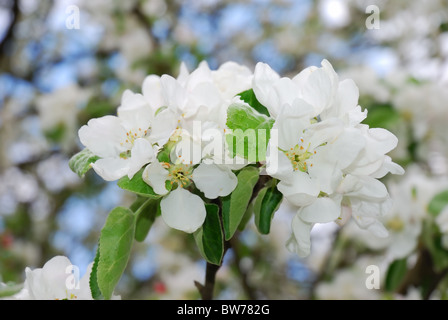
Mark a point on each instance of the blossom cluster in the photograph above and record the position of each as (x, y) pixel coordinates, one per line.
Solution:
(322, 158)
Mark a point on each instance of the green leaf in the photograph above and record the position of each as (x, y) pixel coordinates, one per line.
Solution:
(234, 206)
(250, 132)
(395, 274)
(137, 185)
(433, 240)
(241, 116)
(80, 162)
(146, 210)
(249, 97)
(164, 153)
(438, 202)
(93, 280)
(267, 203)
(209, 238)
(246, 217)
(115, 245)
(382, 116)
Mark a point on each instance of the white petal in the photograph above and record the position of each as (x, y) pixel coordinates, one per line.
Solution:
(215, 181)
(155, 175)
(324, 170)
(322, 210)
(183, 210)
(111, 169)
(324, 131)
(388, 166)
(318, 90)
(364, 187)
(103, 136)
(299, 189)
(300, 241)
(385, 140)
(264, 78)
(290, 129)
(183, 73)
(135, 112)
(173, 93)
(347, 147)
(162, 127)
(378, 229)
(141, 154)
(152, 91)
(278, 165)
(48, 282)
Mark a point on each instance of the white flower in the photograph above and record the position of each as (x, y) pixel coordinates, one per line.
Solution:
(202, 95)
(56, 281)
(180, 208)
(327, 160)
(315, 86)
(125, 143)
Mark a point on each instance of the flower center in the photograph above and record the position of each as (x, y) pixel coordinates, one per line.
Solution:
(131, 136)
(298, 155)
(180, 173)
(395, 224)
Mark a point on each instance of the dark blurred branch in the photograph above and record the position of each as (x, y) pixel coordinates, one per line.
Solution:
(10, 30)
(422, 275)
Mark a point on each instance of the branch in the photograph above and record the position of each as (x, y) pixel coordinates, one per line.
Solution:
(10, 31)
(422, 275)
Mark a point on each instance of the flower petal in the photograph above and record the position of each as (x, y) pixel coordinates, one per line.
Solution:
(152, 91)
(103, 136)
(155, 175)
(111, 169)
(299, 189)
(183, 210)
(263, 79)
(300, 240)
(134, 111)
(322, 210)
(141, 154)
(214, 180)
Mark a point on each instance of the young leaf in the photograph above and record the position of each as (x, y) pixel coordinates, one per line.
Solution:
(80, 162)
(137, 185)
(433, 240)
(395, 274)
(234, 205)
(115, 245)
(267, 203)
(93, 280)
(249, 97)
(250, 132)
(242, 116)
(146, 211)
(246, 217)
(438, 202)
(209, 238)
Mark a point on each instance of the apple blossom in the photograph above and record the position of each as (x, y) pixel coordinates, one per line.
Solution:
(326, 159)
(180, 208)
(55, 281)
(126, 142)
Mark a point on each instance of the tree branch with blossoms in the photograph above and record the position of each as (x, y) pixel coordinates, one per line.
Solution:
(211, 149)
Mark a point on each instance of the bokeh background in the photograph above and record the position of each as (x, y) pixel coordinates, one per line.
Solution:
(56, 73)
